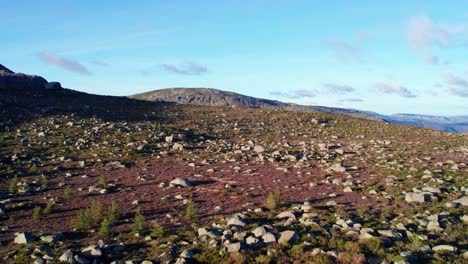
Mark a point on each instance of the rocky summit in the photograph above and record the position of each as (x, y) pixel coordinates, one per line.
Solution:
(103, 179)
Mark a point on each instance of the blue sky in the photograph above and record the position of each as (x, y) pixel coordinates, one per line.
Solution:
(392, 57)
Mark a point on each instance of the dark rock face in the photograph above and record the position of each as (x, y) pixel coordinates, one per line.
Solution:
(9, 79)
(5, 69)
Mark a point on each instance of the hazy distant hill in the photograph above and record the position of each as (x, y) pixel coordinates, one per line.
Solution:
(208, 96)
(451, 124)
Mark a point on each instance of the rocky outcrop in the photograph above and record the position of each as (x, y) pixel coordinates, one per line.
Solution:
(12, 80)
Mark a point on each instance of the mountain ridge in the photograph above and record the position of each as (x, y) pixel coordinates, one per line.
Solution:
(210, 96)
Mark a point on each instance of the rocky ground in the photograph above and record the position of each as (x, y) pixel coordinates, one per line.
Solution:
(201, 184)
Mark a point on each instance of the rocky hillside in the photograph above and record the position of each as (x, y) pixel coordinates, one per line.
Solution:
(96, 179)
(206, 96)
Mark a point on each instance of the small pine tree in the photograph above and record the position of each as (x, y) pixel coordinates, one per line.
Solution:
(158, 231)
(13, 188)
(83, 221)
(105, 231)
(37, 213)
(44, 182)
(113, 214)
(67, 193)
(102, 182)
(49, 208)
(273, 200)
(33, 169)
(95, 210)
(191, 211)
(139, 224)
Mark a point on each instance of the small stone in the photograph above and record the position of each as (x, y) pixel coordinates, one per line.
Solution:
(92, 251)
(286, 214)
(180, 182)
(259, 148)
(187, 254)
(444, 248)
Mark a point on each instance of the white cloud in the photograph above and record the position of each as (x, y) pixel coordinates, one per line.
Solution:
(422, 34)
(338, 88)
(387, 88)
(185, 68)
(295, 94)
(343, 50)
(67, 64)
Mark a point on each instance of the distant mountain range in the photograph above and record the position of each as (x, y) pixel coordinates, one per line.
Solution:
(208, 96)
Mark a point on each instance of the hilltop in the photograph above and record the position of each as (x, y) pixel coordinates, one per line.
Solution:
(210, 96)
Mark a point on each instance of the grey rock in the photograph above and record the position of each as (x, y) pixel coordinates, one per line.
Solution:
(288, 237)
(259, 231)
(180, 182)
(251, 240)
(52, 238)
(92, 251)
(268, 238)
(67, 257)
(24, 238)
(463, 201)
(444, 248)
(233, 247)
(178, 146)
(286, 214)
(236, 221)
(187, 254)
(413, 197)
(81, 260)
(390, 234)
(259, 148)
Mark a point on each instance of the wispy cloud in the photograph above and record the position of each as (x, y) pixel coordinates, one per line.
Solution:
(338, 88)
(343, 50)
(100, 63)
(185, 68)
(295, 94)
(458, 85)
(66, 64)
(351, 100)
(422, 34)
(388, 88)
